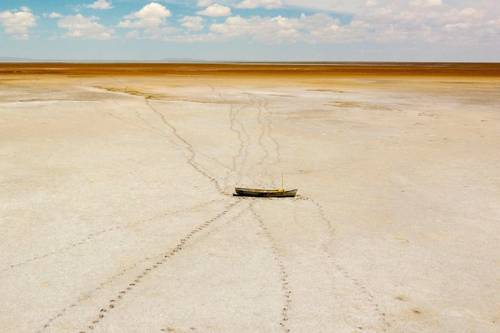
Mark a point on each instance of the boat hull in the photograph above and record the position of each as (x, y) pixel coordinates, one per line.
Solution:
(249, 192)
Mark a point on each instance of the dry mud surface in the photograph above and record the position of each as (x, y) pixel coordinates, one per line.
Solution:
(116, 213)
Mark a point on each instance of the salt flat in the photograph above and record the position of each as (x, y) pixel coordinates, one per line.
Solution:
(117, 214)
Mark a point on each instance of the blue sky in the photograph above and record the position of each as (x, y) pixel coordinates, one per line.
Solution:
(260, 30)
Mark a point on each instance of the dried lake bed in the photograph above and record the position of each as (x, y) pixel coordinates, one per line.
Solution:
(117, 214)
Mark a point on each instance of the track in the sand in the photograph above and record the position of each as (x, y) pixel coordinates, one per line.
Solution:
(366, 298)
(191, 161)
(121, 294)
(363, 298)
(167, 255)
(285, 285)
(239, 162)
(96, 234)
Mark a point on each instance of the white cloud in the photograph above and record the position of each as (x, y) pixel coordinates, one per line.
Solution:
(79, 26)
(192, 23)
(426, 3)
(18, 22)
(280, 29)
(151, 17)
(205, 3)
(268, 4)
(464, 19)
(453, 27)
(469, 13)
(215, 10)
(494, 24)
(426, 21)
(371, 21)
(134, 34)
(351, 6)
(375, 23)
(101, 5)
(54, 15)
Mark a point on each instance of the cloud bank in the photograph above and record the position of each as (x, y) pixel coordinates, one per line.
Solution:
(276, 22)
(17, 23)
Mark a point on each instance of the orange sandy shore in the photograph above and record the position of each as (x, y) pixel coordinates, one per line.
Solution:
(250, 69)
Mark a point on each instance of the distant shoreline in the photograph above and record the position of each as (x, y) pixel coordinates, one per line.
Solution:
(253, 68)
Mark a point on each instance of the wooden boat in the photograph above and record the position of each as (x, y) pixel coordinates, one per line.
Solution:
(253, 192)
(250, 192)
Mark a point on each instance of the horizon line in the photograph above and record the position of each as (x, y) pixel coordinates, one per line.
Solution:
(180, 61)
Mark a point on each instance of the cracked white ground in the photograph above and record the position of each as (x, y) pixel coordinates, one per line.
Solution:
(117, 214)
